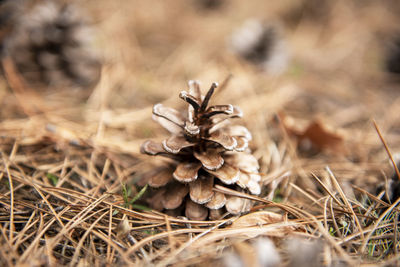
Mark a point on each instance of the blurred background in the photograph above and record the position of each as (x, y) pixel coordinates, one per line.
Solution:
(78, 81)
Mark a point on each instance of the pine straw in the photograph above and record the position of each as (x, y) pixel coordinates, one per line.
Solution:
(62, 202)
(64, 163)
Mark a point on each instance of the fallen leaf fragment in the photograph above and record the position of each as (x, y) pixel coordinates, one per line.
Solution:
(322, 137)
(257, 218)
(317, 135)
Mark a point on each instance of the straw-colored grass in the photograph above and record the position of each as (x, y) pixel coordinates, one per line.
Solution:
(69, 166)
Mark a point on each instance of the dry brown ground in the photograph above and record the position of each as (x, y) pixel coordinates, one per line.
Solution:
(64, 161)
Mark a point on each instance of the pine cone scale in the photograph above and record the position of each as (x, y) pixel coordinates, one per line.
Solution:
(195, 211)
(152, 148)
(174, 195)
(186, 172)
(240, 131)
(227, 141)
(192, 100)
(211, 159)
(236, 205)
(227, 174)
(167, 124)
(160, 178)
(175, 144)
(169, 113)
(217, 201)
(241, 144)
(201, 190)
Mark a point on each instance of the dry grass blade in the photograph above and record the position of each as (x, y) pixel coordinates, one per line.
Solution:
(80, 244)
(10, 181)
(347, 203)
(174, 253)
(376, 224)
(387, 149)
(327, 190)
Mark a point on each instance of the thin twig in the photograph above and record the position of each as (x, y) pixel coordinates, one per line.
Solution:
(387, 149)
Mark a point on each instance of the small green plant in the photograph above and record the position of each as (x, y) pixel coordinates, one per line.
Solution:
(150, 232)
(129, 202)
(332, 231)
(382, 243)
(278, 198)
(52, 178)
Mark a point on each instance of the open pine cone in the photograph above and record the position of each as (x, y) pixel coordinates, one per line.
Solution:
(205, 149)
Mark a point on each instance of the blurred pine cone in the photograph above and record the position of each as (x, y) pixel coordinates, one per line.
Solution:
(205, 149)
(261, 44)
(393, 57)
(49, 43)
(210, 4)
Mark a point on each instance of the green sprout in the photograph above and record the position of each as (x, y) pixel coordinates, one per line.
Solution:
(52, 178)
(129, 202)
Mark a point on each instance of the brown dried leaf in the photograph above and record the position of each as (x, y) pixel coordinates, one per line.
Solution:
(211, 159)
(175, 143)
(227, 174)
(258, 218)
(186, 172)
(322, 137)
(319, 135)
(195, 211)
(201, 190)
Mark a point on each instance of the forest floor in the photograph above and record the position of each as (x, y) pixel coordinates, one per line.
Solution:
(69, 164)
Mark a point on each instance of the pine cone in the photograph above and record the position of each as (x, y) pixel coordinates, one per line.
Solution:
(393, 56)
(204, 149)
(210, 4)
(49, 42)
(262, 45)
